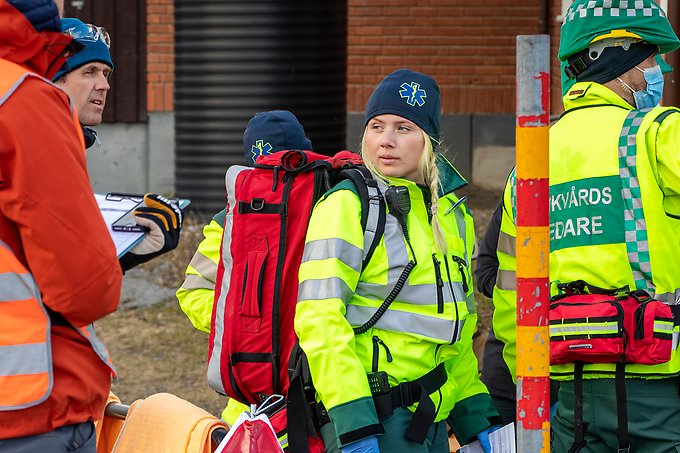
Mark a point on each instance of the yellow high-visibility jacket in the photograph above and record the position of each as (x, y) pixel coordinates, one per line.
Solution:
(430, 322)
(196, 296)
(614, 211)
(197, 293)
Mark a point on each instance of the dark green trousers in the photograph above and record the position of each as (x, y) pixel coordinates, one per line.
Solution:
(653, 416)
(394, 440)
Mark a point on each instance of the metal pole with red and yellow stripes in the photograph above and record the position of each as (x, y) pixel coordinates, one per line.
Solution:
(533, 244)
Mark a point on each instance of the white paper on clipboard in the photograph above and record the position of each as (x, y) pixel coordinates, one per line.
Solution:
(112, 210)
(502, 441)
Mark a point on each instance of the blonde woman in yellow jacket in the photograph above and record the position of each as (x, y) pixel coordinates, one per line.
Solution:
(418, 348)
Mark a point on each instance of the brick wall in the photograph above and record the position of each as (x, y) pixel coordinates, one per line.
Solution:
(468, 47)
(160, 55)
(555, 79)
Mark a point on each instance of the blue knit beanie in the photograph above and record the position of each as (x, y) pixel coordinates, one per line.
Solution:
(93, 50)
(408, 94)
(273, 131)
(42, 14)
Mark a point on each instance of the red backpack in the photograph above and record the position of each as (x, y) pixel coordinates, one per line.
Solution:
(268, 210)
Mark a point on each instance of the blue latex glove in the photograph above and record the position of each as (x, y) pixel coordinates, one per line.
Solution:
(484, 438)
(553, 409)
(365, 445)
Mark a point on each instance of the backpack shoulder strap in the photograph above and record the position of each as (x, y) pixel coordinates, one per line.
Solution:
(373, 209)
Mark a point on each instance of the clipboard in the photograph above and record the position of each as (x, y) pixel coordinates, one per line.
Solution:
(502, 441)
(112, 206)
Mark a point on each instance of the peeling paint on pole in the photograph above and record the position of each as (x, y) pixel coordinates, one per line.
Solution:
(533, 244)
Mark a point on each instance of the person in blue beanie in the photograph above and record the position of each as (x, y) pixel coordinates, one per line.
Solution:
(266, 133)
(389, 342)
(85, 78)
(85, 75)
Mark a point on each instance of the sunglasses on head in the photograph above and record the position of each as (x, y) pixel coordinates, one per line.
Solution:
(91, 33)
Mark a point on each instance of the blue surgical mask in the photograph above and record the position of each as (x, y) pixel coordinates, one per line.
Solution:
(649, 98)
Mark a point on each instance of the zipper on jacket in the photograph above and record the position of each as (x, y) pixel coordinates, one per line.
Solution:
(440, 283)
(376, 352)
(455, 302)
(461, 268)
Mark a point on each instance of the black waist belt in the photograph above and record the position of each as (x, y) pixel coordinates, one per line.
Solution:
(675, 309)
(408, 393)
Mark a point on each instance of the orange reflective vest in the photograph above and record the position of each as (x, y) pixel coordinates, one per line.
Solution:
(25, 352)
(26, 376)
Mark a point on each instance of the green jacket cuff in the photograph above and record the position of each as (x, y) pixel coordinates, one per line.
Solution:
(355, 420)
(471, 416)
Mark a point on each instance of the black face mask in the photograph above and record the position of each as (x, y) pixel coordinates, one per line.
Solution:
(90, 136)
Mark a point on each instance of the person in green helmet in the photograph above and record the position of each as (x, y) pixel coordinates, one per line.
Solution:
(615, 214)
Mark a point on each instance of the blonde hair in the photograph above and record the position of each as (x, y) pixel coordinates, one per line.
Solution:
(429, 174)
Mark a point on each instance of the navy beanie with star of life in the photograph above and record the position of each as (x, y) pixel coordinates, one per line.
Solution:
(408, 94)
(273, 131)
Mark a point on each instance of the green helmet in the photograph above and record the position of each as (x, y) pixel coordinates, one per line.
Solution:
(610, 22)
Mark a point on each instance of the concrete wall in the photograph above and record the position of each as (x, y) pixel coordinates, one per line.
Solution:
(140, 158)
(135, 158)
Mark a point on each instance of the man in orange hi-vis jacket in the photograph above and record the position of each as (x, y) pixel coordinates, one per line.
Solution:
(58, 266)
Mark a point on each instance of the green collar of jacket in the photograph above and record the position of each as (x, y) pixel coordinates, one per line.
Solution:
(588, 94)
(449, 177)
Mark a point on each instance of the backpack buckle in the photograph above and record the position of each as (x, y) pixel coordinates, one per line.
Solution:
(405, 394)
(256, 204)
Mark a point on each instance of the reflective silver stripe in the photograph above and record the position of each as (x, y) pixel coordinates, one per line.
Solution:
(324, 288)
(460, 221)
(506, 280)
(663, 327)
(17, 287)
(97, 345)
(425, 294)
(283, 441)
(676, 340)
(459, 214)
(507, 244)
(214, 374)
(193, 281)
(668, 298)
(340, 249)
(204, 266)
(374, 196)
(395, 245)
(15, 85)
(399, 321)
(24, 359)
(583, 329)
(471, 303)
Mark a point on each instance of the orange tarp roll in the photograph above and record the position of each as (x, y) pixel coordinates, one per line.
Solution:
(108, 428)
(166, 423)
